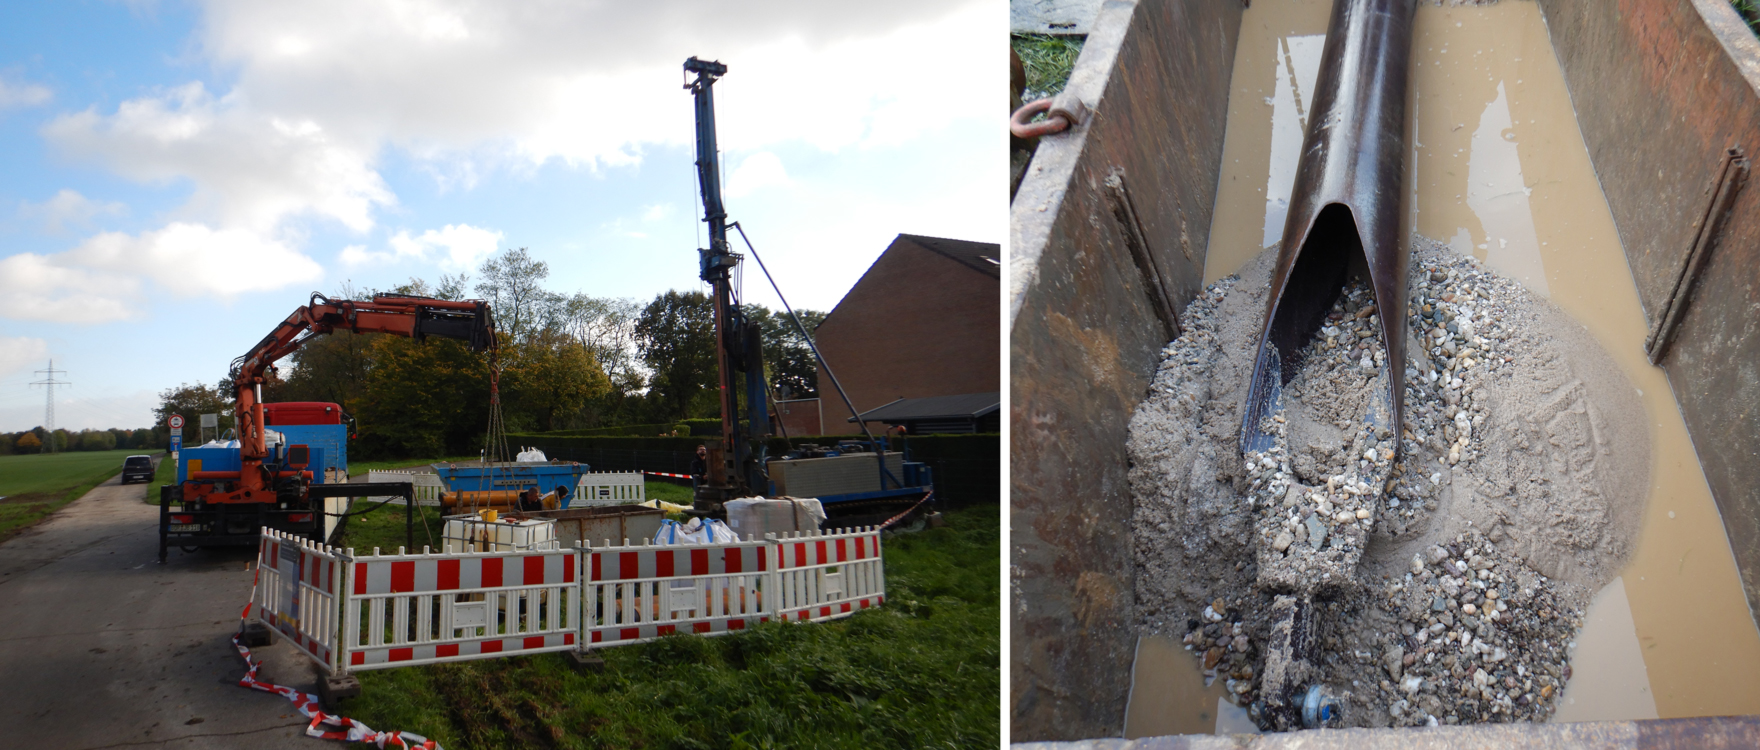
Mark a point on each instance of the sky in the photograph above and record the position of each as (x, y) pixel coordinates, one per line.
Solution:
(177, 177)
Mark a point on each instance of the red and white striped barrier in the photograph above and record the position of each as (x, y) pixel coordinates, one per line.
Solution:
(643, 592)
(354, 613)
(345, 729)
(664, 474)
(825, 576)
(299, 583)
(351, 730)
(404, 610)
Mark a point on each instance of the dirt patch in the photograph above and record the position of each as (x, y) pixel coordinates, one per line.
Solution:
(1456, 575)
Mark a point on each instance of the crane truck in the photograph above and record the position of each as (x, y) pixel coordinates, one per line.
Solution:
(236, 490)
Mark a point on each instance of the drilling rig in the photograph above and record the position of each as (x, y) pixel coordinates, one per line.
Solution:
(736, 461)
(856, 481)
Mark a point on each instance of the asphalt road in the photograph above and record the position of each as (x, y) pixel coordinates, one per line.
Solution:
(102, 647)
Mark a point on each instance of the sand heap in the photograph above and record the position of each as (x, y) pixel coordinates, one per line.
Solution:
(1455, 575)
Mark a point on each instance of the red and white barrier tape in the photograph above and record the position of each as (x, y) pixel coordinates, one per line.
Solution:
(351, 730)
(907, 511)
(664, 474)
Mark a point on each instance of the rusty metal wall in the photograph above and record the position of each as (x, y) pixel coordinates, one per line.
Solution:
(1662, 88)
(1110, 225)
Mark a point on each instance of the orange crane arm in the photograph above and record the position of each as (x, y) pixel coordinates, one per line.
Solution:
(395, 314)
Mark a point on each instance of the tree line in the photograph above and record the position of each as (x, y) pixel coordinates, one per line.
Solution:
(38, 440)
(567, 362)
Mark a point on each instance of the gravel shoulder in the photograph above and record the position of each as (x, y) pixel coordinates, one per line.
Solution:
(101, 646)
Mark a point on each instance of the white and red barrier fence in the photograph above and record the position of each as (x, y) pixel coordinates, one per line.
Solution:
(297, 593)
(824, 577)
(642, 592)
(404, 610)
(354, 613)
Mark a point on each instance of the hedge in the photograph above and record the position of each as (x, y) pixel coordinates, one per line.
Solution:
(967, 468)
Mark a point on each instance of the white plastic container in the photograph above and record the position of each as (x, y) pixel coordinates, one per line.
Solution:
(470, 533)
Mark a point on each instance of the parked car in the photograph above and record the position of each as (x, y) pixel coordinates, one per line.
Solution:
(137, 467)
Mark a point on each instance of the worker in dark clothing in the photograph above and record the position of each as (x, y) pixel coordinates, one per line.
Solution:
(699, 466)
(529, 501)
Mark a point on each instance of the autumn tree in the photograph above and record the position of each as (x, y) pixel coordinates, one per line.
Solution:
(676, 337)
(549, 378)
(512, 283)
(192, 401)
(423, 398)
(29, 443)
(790, 366)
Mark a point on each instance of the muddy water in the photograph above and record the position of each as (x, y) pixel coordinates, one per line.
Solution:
(1499, 170)
(1168, 695)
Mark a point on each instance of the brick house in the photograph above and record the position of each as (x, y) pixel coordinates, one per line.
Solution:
(924, 320)
(796, 417)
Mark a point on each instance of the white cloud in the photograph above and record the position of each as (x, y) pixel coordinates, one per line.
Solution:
(48, 287)
(22, 94)
(324, 88)
(758, 171)
(100, 280)
(458, 247)
(249, 168)
(191, 260)
(20, 353)
(658, 212)
(68, 209)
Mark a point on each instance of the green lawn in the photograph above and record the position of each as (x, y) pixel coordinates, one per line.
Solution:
(1048, 61)
(922, 671)
(36, 485)
(165, 473)
(668, 492)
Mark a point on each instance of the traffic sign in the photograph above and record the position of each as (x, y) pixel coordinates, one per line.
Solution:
(176, 443)
(177, 421)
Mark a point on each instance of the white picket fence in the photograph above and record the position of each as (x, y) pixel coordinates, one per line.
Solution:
(609, 488)
(351, 612)
(427, 486)
(594, 488)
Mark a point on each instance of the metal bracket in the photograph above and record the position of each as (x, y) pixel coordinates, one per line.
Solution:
(1731, 173)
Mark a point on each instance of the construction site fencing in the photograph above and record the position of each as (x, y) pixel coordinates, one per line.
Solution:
(645, 591)
(594, 488)
(610, 488)
(299, 587)
(351, 612)
(826, 576)
(427, 485)
(404, 610)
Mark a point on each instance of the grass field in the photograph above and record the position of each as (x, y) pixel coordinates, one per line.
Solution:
(36, 485)
(922, 671)
(165, 473)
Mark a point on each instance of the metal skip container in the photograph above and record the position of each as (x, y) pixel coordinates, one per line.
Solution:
(614, 523)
